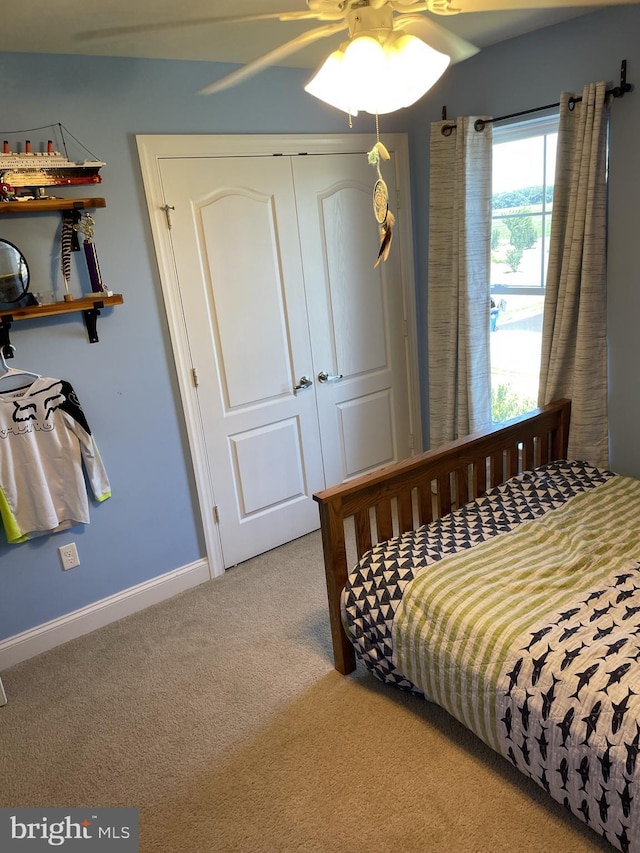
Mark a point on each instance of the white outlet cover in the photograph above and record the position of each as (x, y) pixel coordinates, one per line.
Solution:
(69, 556)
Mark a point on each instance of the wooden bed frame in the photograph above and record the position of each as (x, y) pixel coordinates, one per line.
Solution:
(407, 494)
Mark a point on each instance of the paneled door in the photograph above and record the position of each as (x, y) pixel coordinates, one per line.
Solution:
(235, 241)
(298, 345)
(356, 318)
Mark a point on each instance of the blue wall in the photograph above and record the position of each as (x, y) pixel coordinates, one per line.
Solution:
(127, 382)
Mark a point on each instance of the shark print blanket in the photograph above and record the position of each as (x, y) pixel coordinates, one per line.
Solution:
(532, 639)
(520, 614)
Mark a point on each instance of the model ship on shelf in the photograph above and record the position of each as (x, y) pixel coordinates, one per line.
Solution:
(24, 173)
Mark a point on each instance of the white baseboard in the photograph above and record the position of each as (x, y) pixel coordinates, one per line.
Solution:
(47, 636)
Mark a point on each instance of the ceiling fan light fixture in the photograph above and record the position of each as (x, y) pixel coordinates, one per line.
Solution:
(378, 77)
(416, 66)
(327, 84)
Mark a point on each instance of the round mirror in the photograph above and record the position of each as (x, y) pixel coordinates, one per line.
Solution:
(14, 273)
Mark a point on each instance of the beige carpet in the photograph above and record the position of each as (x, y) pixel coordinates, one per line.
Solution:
(218, 714)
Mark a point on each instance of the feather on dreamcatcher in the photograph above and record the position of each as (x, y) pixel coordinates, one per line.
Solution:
(383, 215)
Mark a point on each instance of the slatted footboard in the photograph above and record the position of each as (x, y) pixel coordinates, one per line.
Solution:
(407, 494)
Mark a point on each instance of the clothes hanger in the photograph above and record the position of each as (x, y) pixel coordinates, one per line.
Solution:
(7, 372)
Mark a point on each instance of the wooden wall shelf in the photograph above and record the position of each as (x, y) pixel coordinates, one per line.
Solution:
(44, 205)
(90, 307)
(85, 303)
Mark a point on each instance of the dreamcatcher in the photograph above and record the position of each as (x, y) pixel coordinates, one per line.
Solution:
(383, 215)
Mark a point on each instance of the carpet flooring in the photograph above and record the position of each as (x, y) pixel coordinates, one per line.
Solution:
(218, 714)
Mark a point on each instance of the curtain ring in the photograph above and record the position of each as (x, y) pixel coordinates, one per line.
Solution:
(572, 103)
(447, 129)
(479, 124)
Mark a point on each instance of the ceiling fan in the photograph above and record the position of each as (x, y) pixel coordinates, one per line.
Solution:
(381, 20)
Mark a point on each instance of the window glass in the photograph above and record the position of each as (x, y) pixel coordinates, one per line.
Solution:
(524, 158)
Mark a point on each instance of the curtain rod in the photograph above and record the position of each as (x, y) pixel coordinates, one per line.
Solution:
(479, 124)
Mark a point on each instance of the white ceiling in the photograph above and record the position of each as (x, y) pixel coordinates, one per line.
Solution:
(57, 27)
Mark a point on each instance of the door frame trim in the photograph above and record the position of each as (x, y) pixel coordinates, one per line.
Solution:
(154, 148)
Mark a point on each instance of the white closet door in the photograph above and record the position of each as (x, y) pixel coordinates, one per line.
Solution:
(299, 344)
(356, 316)
(235, 242)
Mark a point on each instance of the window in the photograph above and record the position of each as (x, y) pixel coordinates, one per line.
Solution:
(524, 157)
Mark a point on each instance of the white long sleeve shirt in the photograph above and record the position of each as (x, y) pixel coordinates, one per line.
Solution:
(44, 441)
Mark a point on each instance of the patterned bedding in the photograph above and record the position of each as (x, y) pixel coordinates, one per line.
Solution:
(520, 614)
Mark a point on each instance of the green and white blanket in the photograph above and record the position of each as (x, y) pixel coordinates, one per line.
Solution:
(532, 640)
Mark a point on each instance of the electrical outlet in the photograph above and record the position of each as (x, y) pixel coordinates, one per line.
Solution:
(69, 556)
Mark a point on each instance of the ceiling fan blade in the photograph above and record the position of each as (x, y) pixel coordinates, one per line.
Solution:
(437, 37)
(133, 29)
(514, 5)
(272, 57)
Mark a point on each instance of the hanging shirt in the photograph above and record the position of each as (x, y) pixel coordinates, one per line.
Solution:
(44, 441)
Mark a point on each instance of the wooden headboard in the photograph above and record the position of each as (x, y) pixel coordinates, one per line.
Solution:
(407, 494)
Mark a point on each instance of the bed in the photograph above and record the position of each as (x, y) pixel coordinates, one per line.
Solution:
(502, 581)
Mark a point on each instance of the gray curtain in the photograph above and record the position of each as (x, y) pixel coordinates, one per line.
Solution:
(574, 334)
(459, 278)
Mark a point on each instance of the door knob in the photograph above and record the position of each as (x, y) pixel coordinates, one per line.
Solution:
(305, 382)
(323, 377)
